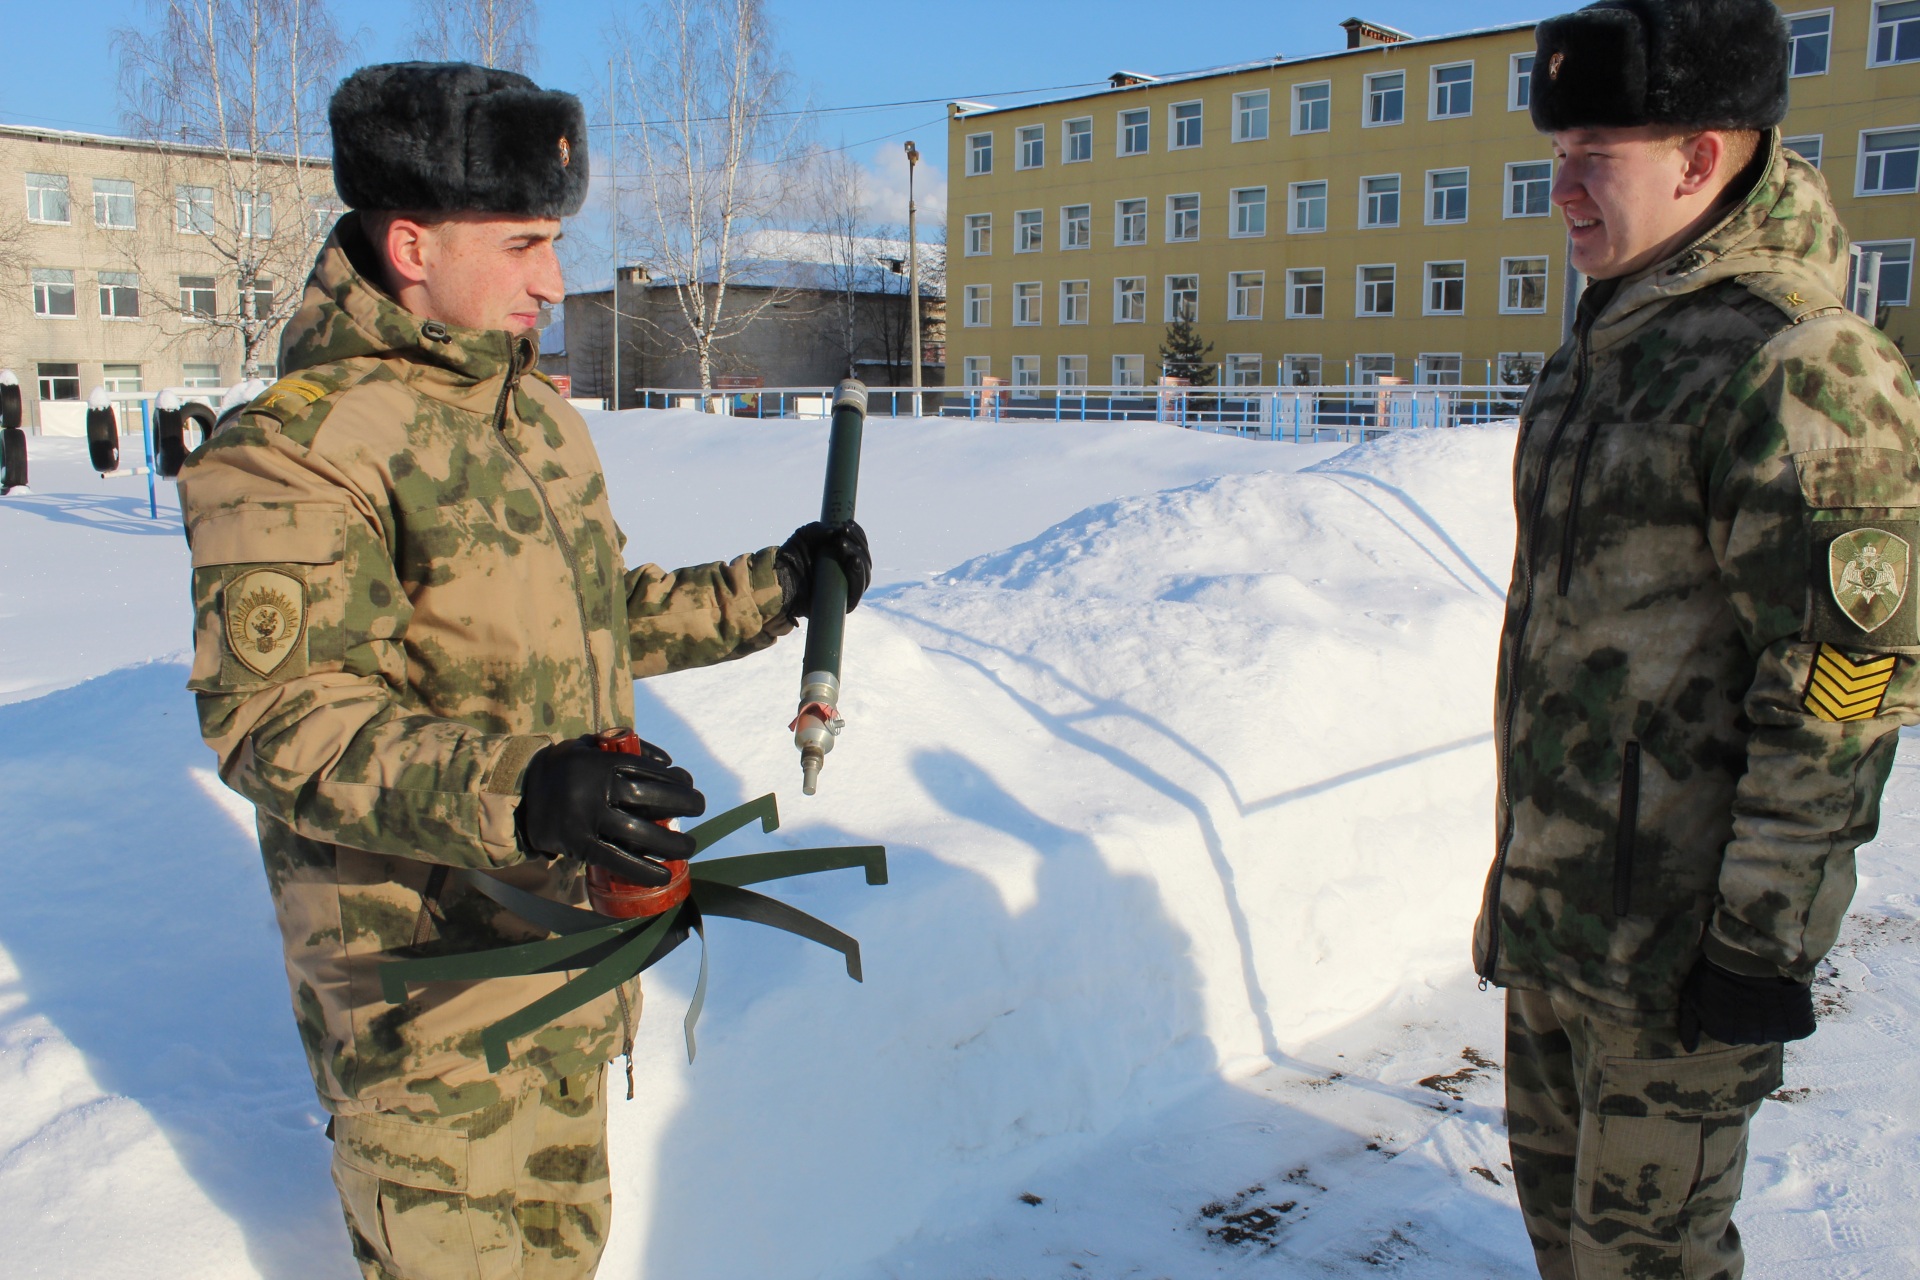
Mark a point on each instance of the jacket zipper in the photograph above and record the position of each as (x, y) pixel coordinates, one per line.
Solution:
(1626, 836)
(1492, 906)
(1572, 531)
(559, 535)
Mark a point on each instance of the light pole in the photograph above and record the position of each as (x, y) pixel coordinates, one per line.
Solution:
(913, 280)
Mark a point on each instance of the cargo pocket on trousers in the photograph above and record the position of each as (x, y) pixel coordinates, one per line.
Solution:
(1663, 1134)
(405, 1187)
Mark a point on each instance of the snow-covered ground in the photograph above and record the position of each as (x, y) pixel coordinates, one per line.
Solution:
(1179, 745)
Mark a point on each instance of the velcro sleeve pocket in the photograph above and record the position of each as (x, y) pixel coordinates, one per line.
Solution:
(283, 533)
(268, 590)
(1831, 479)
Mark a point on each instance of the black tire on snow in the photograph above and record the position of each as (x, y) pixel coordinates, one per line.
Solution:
(103, 440)
(10, 407)
(13, 459)
(170, 449)
(199, 419)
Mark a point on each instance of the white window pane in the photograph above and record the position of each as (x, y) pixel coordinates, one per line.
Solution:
(47, 198)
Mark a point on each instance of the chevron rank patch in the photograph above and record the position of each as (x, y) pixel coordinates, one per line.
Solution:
(292, 393)
(1843, 688)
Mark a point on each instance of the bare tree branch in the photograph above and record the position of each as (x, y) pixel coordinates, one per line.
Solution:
(493, 33)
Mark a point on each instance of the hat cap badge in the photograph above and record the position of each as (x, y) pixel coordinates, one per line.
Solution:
(1553, 66)
(566, 153)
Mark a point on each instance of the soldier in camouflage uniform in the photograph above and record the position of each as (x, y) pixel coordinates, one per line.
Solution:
(1710, 638)
(410, 609)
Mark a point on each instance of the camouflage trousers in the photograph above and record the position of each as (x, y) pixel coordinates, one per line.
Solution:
(1628, 1151)
(514, 1191)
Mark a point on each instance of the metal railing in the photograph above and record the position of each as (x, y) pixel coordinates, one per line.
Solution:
(1352, 412)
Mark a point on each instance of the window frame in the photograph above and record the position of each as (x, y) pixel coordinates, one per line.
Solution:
(1236, 206)
(1434, 87)
(194, 315)
(975, 370)
(200, 381)
(1236, 288)
(1067, 136)
(968, 229)
(1546, 283)
(1360, 283)
(1085, 296)
(1021, 141)
(1293, 207)
(1228, 372)
(1421, 370)
(186, 208)
(1293, 113)
(1516, 78)
(1428, 280)
(1168, 291)
(248, 206)
(1290, 361)
(975, 151)
(1506, 206)
(1362, 375)
(1174, 122)
(1140, 372)
(1367, 95)
(1793, 43)
(1027, 292)
(1881, 245)
(1021, 227)
(1241, 111)
(1873, 36)
(64, 187)
(1819, 141)
(1860, 189)
(1366, 201)
(1466, 189)
(71, 284)
(1064, 377)
(1120, 221)
(1120, 140)
(1173, 217)
(1140, 294)
(977, 299)
(1292, 285)
(1021, 388)
(131, 195)
(130, 285)
(1068, 222)
(41, 379)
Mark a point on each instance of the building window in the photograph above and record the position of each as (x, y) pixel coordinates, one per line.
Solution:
(1133, 132)
(47, 198)
(121, 379)
(975, 369)
(1306, 293)
(119, 295)
(1073, 371)
(1027, 231)
(53, 292)
(1896, 32)
(1183, 218)
(1026, 303)
(1183, 298)
(1371, 368)
(1313, 107)
(1250, 116)
(1130, 300)
(979, 235)
(1896, 270)
(1183, 123)
(1079, 141)
(1812, 36)
(1380, 201)
(193, 210)
(1807, 147)
(979, 306)
(1446, 288)
(256, 214)
(1520, 82)
(1076, 226)
(59, 381)
(113, 204)
(1386, 98)
(1529, 190)
(1244, 370)
(1452, 91)
(1523, 285)
(1250, 211)
(323, 212)
(1309, 204)
(1031, 141)
(256, 298)
(1447, 195)
(1075, 297)
(200, 377)
(1890, 161)
(1301, 371)
(1130, 222)
(979, 154)
(1443, 369)
(1026, 376)
(1246, 295)
(196, 297)
(1129, 371)
(1376, 291)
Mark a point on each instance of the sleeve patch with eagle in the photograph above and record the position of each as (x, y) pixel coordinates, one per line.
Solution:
(266, 613)
(1843, 688)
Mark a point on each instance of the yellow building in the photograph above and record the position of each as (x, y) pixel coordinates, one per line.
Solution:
(1378, 210)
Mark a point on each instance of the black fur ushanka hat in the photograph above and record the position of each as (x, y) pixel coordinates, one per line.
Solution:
(451, 137)
(1693, 64)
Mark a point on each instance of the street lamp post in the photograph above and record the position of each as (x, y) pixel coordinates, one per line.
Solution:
(913, 280)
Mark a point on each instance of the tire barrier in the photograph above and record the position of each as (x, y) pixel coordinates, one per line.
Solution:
(13, 460)
(10, 409)
(169, 440)
(196, 425)
(103, 435)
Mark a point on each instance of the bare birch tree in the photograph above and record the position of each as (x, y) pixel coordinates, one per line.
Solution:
(703, 84)
(493, 33)
(247, 82)
(848, 252)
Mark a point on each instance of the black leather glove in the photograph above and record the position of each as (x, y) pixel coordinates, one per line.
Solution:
(794, 562)
(1739, 1008)
(578, 801)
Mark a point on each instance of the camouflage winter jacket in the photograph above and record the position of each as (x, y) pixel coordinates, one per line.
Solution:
(1710, 640)
(406, 580)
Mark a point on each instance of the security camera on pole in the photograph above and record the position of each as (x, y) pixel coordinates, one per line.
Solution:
(13, 439)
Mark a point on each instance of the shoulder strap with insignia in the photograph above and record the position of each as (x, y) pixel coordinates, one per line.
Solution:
(297, 400)
(1797, 299)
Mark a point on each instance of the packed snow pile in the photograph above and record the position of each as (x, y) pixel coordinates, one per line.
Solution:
(1180, 747)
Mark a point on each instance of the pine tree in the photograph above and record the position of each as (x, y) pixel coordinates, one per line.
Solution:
(1184, 355)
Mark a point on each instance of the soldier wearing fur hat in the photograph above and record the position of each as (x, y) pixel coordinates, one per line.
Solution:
(1710, 643)
(411, 608)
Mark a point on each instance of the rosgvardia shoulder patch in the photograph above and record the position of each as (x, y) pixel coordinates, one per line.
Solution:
(1843, 688)
(1862, 583)
(266, 616)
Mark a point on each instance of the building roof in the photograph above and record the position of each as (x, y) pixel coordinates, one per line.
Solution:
(972, 110)
(74, 138)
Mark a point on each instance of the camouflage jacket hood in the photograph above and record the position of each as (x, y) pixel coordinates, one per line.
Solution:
(1693, 724)
(407, 579)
